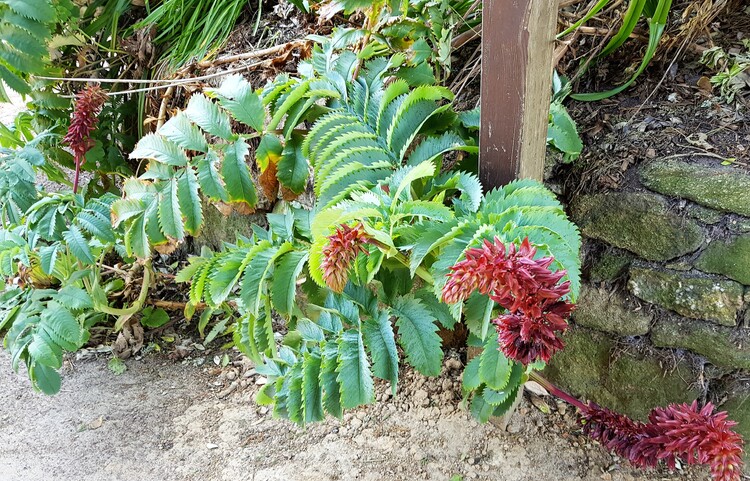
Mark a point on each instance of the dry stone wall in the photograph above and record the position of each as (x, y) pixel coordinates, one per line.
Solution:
(663, 314)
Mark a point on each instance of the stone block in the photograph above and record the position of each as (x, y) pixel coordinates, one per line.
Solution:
(722, 188)
(689, 295)
(723, 346)
(628, 382)
(639, 223)
(731, 259)
(604, 310)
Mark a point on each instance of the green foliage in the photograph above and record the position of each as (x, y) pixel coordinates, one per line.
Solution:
(656, 13)
(731, 70)
(562, 132)
(191, 30)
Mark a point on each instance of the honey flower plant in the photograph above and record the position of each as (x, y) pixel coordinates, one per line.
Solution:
(88, 104)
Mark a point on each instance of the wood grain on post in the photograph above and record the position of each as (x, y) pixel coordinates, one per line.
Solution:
(517, 48)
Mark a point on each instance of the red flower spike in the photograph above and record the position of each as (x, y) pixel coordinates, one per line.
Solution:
(528, 338)
(342, 248)
(678, 432)
(525, 287)
(89, 103)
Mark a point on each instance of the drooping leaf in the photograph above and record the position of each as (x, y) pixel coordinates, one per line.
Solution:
(418, 335)
(354, 376)
(381, 343)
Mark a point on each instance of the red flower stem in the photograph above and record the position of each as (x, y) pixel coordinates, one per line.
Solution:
(556, 391)
(75, 178)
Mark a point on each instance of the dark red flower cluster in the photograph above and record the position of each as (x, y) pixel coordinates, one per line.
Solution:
(526, 287)
(89, 103)
(678, 432)
(342, 248)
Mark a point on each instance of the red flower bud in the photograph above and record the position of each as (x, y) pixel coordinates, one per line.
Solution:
(342, 248)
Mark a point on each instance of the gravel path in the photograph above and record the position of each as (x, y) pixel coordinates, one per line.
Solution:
(164, 420)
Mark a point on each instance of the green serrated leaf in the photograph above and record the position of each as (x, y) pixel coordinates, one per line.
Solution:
(284, 284)
(78, 244)
(418, 335)
(494, 368)
(158, 148)
(184, 133)
(381, 343)
(170, 216)
(236, 175)
(190, 201)
(207, 116)
(354, 375)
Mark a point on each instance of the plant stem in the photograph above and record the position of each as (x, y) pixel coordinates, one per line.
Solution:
(556, 391)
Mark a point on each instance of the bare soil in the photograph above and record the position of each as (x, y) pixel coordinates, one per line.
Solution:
(170, 420)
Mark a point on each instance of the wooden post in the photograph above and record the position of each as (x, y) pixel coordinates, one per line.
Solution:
(517, 47)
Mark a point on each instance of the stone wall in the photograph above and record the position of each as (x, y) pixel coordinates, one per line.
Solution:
(663, 314)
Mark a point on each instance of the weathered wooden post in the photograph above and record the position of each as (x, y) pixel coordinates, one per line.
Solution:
(517, 46)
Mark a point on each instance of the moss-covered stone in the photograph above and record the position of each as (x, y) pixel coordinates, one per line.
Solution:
(609, 266)
(738, 407)
(739, 224)
(722, 188)
(731, 259)
(689, 295)
(628, 382)
(722, 346)
(640, 223)
(603, 310)
(703, 214)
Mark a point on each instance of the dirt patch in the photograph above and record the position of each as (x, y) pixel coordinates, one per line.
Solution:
(163, 420)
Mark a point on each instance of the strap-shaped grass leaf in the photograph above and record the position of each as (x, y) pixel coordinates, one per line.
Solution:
(208, 116)
(78, 244)
(418, 335)
(184, 133)
(236, 175)
(381, 343)
(284, 285)
(494, 368)
(158, 148)
(312, 406)
(189, 200)
(170, 216)
(354, 375)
